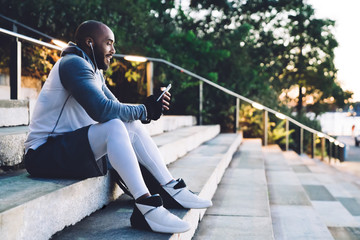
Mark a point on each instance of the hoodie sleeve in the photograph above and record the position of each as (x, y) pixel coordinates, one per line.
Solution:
(78, 77)
(107, 91)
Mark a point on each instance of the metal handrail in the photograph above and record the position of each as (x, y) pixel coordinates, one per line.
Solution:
(232, 93)
(26, 27)
(29, 39)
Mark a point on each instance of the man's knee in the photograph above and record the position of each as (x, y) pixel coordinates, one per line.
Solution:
(115, 126)
(136, 127)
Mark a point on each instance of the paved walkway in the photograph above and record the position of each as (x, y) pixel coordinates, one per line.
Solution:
(352, 162)
(270, 194)
(334, 195)
(241, 204)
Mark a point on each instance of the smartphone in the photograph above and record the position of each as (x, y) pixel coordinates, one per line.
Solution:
(166, 90)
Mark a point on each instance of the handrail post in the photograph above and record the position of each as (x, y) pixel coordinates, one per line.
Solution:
(330, 151)
(336, 152)
(313, 145)
(200, 101)
(15, 68)
(322, 148)
(149, 77)
(265, 119)
(287, 134)
(237, 111)
(301, 141)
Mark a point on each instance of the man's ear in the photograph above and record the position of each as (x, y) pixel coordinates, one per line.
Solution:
(89, 42)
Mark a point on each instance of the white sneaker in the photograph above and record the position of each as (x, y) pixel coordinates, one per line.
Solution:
(149, 214)
(184, 197)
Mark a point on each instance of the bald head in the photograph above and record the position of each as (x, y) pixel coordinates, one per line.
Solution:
(97, 41)
(89, 30)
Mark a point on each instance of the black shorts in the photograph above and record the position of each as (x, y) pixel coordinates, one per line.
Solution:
(65, 156)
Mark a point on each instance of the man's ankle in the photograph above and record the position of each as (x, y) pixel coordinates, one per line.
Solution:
(146, 195)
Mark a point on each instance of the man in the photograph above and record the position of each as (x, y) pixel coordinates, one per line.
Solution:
(77, 121)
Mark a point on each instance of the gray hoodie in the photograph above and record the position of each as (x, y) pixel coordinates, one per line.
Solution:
(74, 96)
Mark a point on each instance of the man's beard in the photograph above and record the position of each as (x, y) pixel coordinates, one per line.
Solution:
(100, 59)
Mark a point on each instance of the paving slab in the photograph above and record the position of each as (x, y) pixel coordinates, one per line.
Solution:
(351, 204)
(334, 214)
(352, 188)
(337, 190)
(308, 178)
(292, 158)
(326, 178)
(248, 160)
(288, 195)
(318, 193)
(274, 162)
(282, 178)
(300, 168)
(298, 223)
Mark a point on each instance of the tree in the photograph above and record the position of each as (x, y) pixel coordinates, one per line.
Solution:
(256, 48)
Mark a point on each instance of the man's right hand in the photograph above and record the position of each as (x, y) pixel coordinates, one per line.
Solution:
(153, 108)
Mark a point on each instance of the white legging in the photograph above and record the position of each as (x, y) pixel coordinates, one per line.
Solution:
(126, 143)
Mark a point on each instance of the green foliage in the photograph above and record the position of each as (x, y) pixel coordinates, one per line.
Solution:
(251, 122)
(278, 135)
(258, 49)
(252, 126)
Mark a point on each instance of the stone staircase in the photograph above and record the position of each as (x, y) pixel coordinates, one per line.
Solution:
(34, 208)
(258, 192)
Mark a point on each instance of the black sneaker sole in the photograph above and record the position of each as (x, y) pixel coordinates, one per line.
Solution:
(138, 220)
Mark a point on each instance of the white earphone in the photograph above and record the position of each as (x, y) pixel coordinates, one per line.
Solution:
(92, 50)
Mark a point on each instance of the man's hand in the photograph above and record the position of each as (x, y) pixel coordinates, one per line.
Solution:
(155, 108)
(166, 100)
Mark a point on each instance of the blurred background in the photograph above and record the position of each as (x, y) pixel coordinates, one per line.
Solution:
(279, 53)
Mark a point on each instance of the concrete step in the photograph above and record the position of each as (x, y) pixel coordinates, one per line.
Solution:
(334, 195)
(184, 140)
(202, 169)
(293, 214)
(12, 138)
(241, 204)
(14, 113)
(12, 145)
(169, 122)
(33, 208)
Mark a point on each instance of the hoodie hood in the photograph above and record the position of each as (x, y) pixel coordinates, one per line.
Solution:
(72, 48)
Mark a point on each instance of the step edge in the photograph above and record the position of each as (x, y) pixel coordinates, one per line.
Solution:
(194, 216)
(211, 132)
